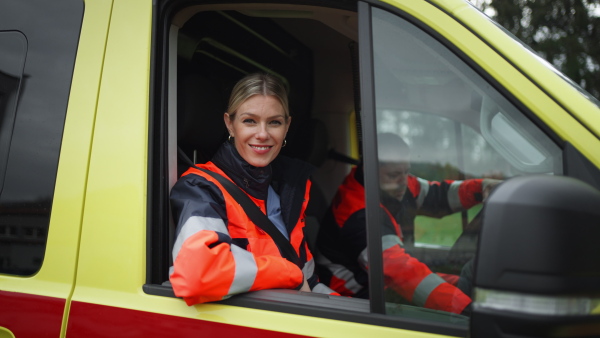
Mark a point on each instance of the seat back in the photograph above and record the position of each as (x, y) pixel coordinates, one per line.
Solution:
(311, 145)
(201, 104)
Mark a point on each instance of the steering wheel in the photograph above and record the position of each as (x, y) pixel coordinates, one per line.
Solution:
(465, 246)
(462, 253)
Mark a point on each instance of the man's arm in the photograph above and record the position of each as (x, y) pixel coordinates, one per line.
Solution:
(439, 199)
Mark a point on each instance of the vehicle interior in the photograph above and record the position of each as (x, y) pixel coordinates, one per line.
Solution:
(314, 51)
(216, 46)
(308, 48)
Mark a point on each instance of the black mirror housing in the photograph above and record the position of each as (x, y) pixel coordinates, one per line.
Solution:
(538, 260)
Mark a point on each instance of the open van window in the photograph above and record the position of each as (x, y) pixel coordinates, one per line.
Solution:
(205, 60)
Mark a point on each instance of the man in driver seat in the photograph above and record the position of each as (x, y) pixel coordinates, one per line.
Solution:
(342, 239)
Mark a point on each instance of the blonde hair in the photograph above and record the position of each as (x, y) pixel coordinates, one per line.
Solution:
(257, 84)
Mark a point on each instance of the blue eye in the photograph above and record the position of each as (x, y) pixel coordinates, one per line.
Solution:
(276, 122)
(248, 121)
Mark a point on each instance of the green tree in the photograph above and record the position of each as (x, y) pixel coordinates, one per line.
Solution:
(564, 32)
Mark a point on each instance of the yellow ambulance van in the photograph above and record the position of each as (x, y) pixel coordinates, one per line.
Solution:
(101, 101)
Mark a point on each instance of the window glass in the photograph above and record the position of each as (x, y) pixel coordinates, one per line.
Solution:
(38, 40)
(13, 46)
(446, 137)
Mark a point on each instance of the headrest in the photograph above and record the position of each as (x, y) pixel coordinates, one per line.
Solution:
(310, 143)
(200, 106)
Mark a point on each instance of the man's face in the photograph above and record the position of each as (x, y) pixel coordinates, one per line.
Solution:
(393, 178)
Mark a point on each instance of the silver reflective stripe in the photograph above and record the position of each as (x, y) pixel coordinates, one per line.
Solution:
(536, 304)
(340, 272)
(245, 270)
(195, 224)
(453, 197)
(363, 259)
(427, 285)
(309, 268)
(388, 241)
(322, 288)
(347, 276)
(423, 192)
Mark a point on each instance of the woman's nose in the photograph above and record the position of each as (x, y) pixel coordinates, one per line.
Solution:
(262, 133)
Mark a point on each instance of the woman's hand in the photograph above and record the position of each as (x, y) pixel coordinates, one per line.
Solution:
(305, 286)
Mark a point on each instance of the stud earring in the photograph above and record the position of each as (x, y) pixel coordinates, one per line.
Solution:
(284, 143)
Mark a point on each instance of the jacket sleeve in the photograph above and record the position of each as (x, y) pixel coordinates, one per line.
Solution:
(439, 199)
(412, 279)
(207, 266)
(415, 282)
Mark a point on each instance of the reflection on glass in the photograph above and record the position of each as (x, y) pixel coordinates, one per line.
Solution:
(38, 43)
(409, 278)
(12, 58)
(506, 134)
(462, 138)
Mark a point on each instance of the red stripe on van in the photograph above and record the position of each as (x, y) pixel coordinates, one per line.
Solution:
(92, 320)
(27, 315)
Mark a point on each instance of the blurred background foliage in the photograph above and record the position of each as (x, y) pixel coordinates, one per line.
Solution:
(564, 32)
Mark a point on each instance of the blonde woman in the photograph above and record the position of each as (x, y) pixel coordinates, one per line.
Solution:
(219, 251)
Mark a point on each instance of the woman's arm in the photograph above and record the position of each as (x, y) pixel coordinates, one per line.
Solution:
(207, 265)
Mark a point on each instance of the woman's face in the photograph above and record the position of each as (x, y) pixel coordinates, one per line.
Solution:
(258, 128)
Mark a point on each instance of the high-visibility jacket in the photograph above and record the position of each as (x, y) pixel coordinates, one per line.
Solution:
(343, 252)
(218, 250)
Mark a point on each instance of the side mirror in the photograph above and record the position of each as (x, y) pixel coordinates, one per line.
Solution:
(537, 271)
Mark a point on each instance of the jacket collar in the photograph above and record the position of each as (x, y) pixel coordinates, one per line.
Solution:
(254, 180)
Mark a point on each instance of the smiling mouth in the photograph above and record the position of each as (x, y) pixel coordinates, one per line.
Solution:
(261, 147)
